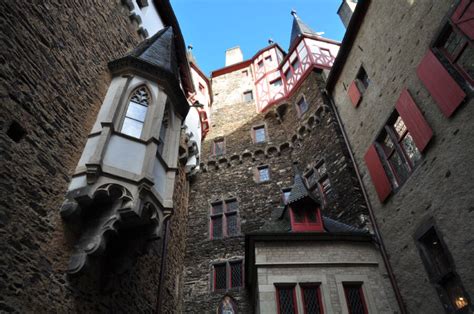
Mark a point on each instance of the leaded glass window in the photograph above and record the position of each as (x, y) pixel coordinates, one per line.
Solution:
(224, 219)
(236, 274)
(355, 299)
(286, 300)
(136, 112)
(220, 277)
(311, 299)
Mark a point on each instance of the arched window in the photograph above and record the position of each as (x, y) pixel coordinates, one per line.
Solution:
(136, 112)
(164, 130)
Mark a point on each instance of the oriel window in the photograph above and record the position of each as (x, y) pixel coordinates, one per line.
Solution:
(136, 112)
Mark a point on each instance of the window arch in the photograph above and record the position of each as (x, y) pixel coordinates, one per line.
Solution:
(136, 112)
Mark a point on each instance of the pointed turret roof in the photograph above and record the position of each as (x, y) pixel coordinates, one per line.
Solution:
(299, 28)
(299, 193)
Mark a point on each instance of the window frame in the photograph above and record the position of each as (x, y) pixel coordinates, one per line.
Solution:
(214, 146)
(124, 117)
(363, 81)
(258, 176)
(359, 285)
(254, 133)
(439, 45)
(248, 92)
(226, 212)
(318, 181)
(228, 274)
(318, 292)
(298, 108)
(306, 225)
(283, 192)
(388, 131)
(278, 287)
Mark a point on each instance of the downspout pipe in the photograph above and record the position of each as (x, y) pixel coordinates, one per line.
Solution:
(378, 236)
(164, 252)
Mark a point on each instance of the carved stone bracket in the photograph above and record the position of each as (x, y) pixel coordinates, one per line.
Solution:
(110, 210)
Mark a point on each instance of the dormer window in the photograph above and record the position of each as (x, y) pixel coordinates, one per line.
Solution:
(136, 112)
(306, 219)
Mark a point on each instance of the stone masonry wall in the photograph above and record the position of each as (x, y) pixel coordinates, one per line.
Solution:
(441, 185)
(232, 175)
(53, 80)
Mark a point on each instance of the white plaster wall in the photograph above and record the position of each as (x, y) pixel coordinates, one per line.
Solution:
(151, 20)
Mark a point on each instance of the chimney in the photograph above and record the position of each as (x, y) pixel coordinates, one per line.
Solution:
(233, 56)
(345, 11)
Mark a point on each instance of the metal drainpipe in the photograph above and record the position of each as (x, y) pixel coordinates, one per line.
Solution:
(162, 266)
(371, 212)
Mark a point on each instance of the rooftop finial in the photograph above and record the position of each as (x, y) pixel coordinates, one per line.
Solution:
(293, 12)
(190, 47)
(270, 41)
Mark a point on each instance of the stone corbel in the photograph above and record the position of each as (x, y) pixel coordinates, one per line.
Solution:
(93, 172)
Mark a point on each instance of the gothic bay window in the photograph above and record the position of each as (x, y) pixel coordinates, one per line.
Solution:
(355, 298)
(259, 134)
(399, 151)
(263, 174)
(302, 106)
(286, 299)
(218, 147)
(311, 296)
(228, 275)
(440, 269)
(136, 112)
(224, 219)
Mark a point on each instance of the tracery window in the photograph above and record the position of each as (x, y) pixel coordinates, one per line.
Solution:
(136, 112)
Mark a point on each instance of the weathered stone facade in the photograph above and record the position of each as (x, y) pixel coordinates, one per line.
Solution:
(54, 79)
(232, 175)
(441, 186)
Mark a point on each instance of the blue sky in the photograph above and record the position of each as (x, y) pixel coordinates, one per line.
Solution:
(212, 26)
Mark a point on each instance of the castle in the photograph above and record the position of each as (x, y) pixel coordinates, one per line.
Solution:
(331, 177)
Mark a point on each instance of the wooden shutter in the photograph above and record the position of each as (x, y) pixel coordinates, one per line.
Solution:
(442, 87)
(414, 120)
(377, 173)
(354, 94)
(463, 17)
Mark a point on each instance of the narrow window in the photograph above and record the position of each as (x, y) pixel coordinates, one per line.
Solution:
(285, 194)
(217, 220)
(286, 299)
(311, 294)
(232, 217)
(224, 219)
(268, 59)
(355, 298)
(263, 174)
(236, 274)
(276, 83)
(288, 74)
(260, 64)
(245, 73)
(220, 276)
(259, 134)
(302, 106)
(362, 79)
(295, 64)
(136, 113)
(248, 96)
(202, 89)
(163, 130)
(219, 147)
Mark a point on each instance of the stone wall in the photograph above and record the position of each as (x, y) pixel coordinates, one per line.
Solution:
(54, 78)
(232, 176)
(441, 185)
(329, 264)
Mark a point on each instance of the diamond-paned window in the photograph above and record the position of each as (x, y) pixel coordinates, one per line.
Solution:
(224, 219)
(232, 225)
(286, 299)
(228, 275)
(220, 277)
(355, 299)
(236, 274)
(311, 300)
(216, 227)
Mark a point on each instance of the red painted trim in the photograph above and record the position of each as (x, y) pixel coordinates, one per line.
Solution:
(361, 293)
(443, 88)
(377, 173)
(307, 226)
(277, 289)
(354, 94)
(414, 120)
(231, 68)
(463, 17)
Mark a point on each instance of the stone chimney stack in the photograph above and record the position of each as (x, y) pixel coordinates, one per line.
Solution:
(233, 56)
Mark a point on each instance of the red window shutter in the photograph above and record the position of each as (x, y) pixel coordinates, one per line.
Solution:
(442, 87)
(414, 120)
(463, 17)
(354, 94)
(377, 173)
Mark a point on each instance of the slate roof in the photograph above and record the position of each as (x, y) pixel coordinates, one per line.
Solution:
(299, 28)
(299, 192)
(158, 50)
